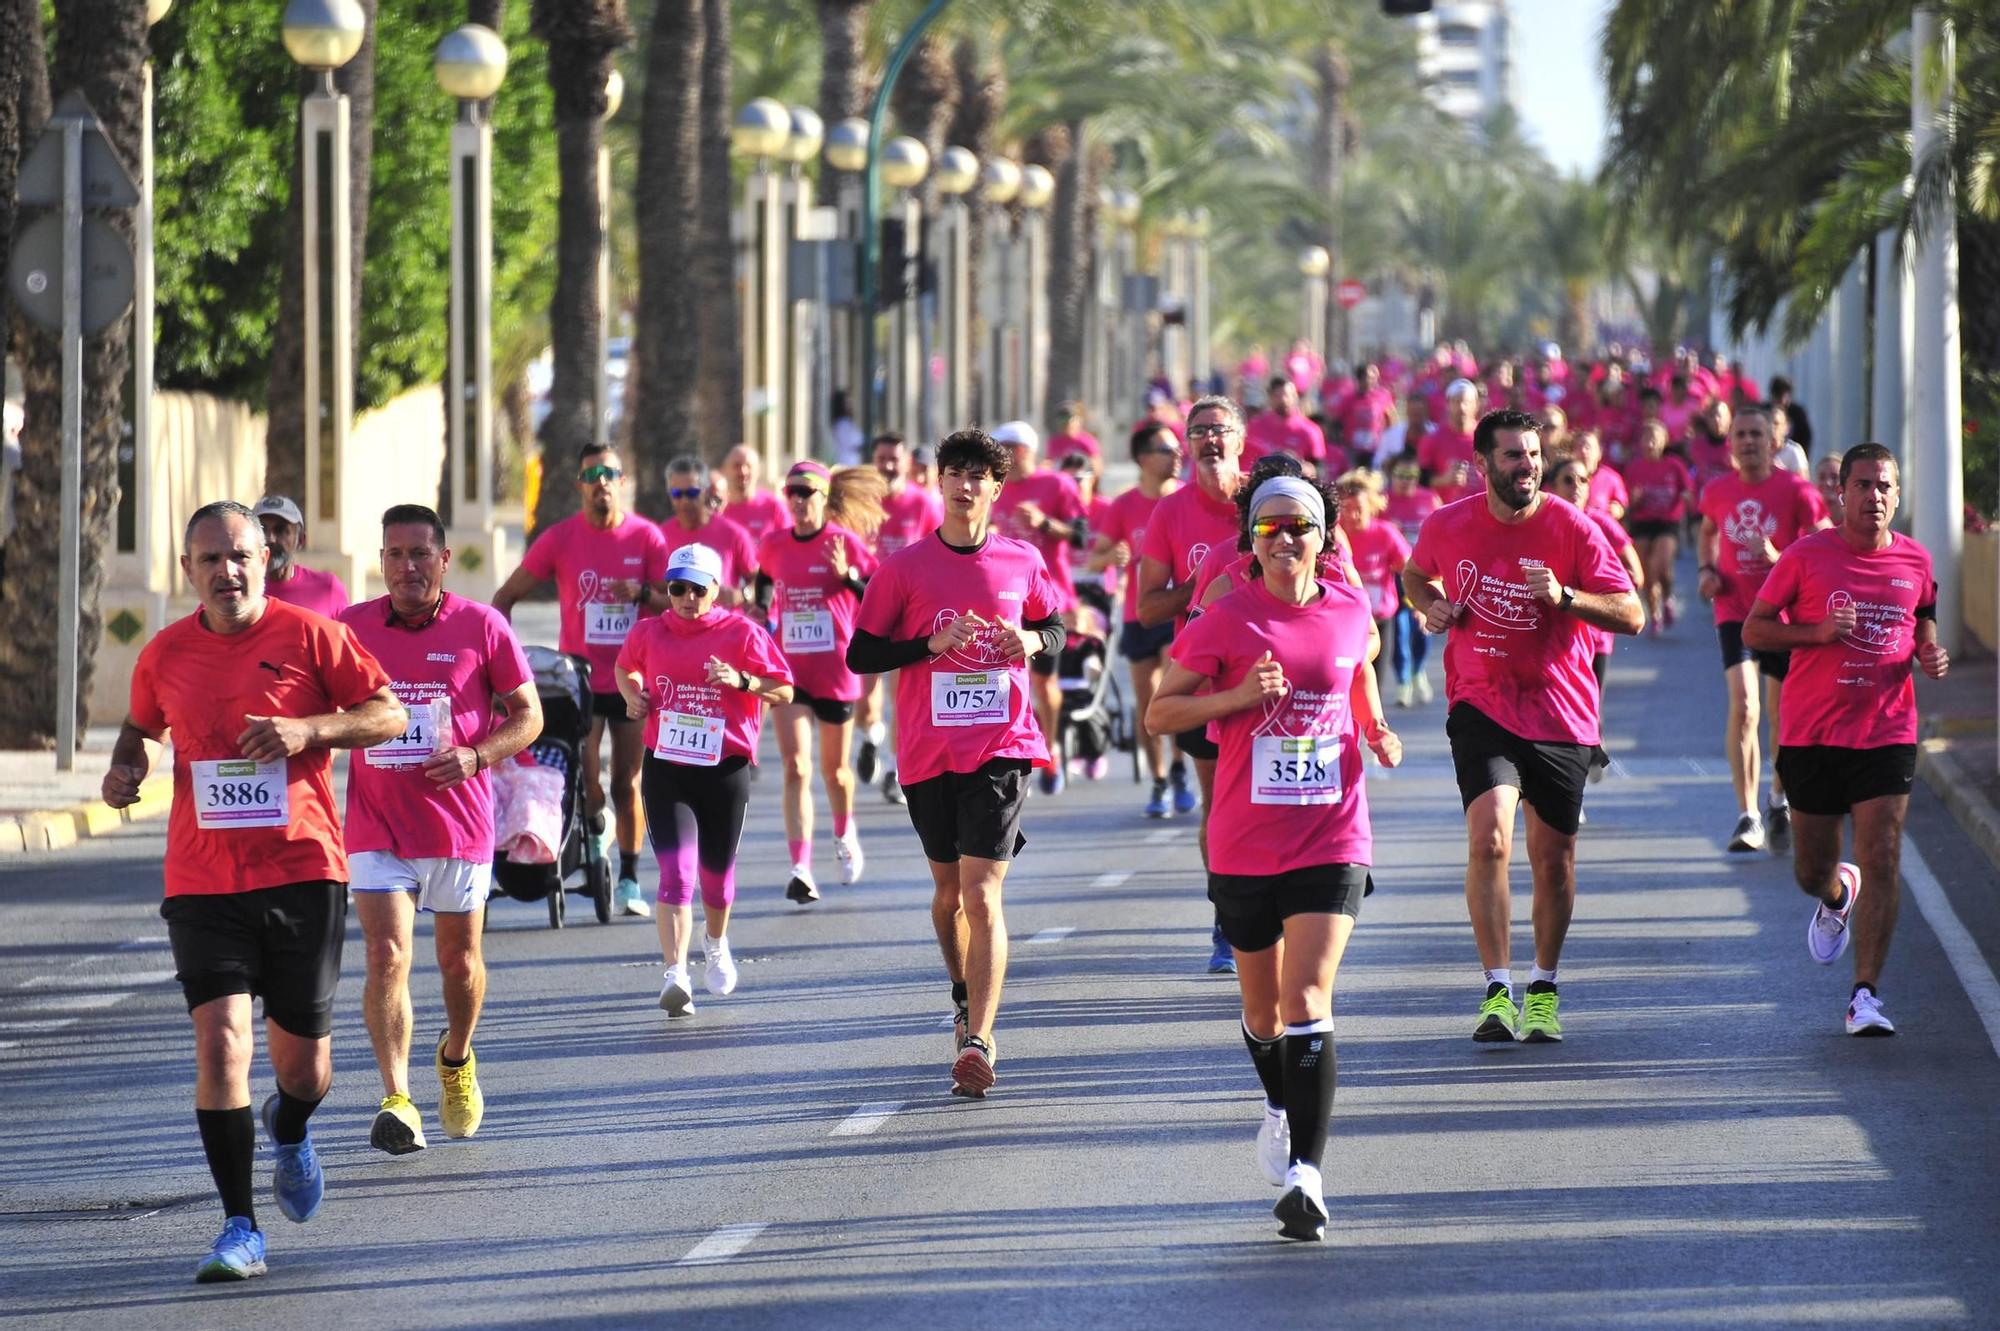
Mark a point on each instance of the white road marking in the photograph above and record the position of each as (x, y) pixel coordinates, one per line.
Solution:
(1967, 961)
(87, 981)
(866, 1119)
(143, 944)
(1055, 935)
(1104, 882)
(77, 1002)
(722, 1245)
(1162, 836)
(32, 1027)
(1696, 766)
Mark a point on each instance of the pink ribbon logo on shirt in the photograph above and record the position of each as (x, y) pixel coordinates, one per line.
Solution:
(1873, 631)
(1500, 611)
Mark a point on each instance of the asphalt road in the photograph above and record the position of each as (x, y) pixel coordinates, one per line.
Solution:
(1706, 1149)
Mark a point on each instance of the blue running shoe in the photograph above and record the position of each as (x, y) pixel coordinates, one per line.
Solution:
(1157, 807)
(236, 1254)
(1222, 960)
(298, 1180)
(1185, 800)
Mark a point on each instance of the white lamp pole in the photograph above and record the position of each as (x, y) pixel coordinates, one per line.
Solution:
(141, 497)
(1314, 262)
(1198, 312)
(999, 302)
(847, 153)
(614, 97)
(957, 172)
(762, 130)
(904, 162)
(1935, 487)
(1031, 355)
(803, 407)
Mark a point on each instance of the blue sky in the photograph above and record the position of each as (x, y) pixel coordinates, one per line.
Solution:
(1557, 85)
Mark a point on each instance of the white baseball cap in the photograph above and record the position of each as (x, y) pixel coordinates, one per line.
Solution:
(695, 563)
(1020, 434)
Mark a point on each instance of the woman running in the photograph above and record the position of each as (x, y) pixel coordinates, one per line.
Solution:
(1570, 481)
(1407, 504)
(1286, 660)
(700, 677)
(812, 574)
(1660, 485)
(1378, 548)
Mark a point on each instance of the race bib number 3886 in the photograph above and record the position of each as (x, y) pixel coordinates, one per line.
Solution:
(237, 792)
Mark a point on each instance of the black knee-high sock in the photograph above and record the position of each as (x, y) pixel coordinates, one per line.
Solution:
(1311, 1071)
(628, 864)
(1268, 1058)
(229, 1139)
(288, 1122)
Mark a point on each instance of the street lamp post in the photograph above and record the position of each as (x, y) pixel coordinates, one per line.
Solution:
(1176, 284)
(957, 172)
(1031, 354)
(614, 97)
(763, 128)
(1935, 483)
(904, 163)
(1198, 310)
(847, 153)
(802, 406)
(999, 308)
(1127, 324)
(1314, 262)
(323, 35)
(470, 63)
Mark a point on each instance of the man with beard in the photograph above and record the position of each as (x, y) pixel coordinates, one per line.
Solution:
(289, 580)
(1518, 580)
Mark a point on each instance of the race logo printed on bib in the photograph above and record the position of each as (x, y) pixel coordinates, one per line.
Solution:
(234, 793)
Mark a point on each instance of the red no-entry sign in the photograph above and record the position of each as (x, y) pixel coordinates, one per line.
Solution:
(1351, 292)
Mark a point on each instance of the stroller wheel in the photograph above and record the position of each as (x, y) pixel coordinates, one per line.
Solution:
(598, 875)
(556, 908)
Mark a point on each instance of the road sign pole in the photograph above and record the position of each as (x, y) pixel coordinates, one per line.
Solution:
(69, 609)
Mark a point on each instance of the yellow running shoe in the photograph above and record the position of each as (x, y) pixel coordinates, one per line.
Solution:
(463, 1104)
(399, 1128)
(1539, 1023)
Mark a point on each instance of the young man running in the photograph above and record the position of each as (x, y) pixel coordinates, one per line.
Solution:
(420, 812)
(1519, 579)
(1860, 607)
(959, 614)
(255, 692)
(1747, 519)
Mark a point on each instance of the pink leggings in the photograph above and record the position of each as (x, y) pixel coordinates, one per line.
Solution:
(694, 816)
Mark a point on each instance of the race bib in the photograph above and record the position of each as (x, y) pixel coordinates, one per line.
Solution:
(1287, 769)
(691, 741)
(238, 792)
(807, 632)
(975, 698)
(430, 720)
(605, 623)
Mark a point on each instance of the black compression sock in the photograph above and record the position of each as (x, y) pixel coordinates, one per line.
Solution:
(958, 992)
(628, 864)
(1311, 1072)
(288, 1121)
(229, 1139)
(1267, 1057)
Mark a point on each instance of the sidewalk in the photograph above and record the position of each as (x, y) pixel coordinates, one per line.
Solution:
(1957, 758)
(43, 809)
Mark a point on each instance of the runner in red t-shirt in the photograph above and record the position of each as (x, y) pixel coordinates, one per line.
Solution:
(911, 510)
(1747, 518)
(255, 694)
(1856, 607)
(1520, 580)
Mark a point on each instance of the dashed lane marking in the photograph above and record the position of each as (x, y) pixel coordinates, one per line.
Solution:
(1104, 882)
(866, 1119)
(722, 1245)
(1055, 935)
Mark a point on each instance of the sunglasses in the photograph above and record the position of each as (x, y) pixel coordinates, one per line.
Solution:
(1214, 431)
(592, 475)
(800, 492)
(678, 588)
(1160, 450)
(1265, 529)
(684, 492)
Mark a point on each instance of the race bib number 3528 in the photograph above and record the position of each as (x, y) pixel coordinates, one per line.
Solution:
(1303, 769)
(237, 792)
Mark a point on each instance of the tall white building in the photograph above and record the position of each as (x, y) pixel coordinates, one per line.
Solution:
(1465, 48)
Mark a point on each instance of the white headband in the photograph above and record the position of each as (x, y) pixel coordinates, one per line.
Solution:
(1289, 487)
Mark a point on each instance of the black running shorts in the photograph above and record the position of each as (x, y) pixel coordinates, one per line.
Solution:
(1771, 665)
(1252, 908)
(1651, 529)
(971, 813)
(281, 944)
(1195, 743)
(828, 711)
(611, 707)
(1828, 780)
(1136, 642)
(1550, 775)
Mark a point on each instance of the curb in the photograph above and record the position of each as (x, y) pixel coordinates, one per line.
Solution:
(59, 829)
(1968, 804)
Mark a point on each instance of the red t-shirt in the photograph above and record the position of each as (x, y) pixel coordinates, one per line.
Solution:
(1857, 692)
(705, 722)
(1185, 526)
(908, 515)
(1379, 555)
(469, 655)
(815, 610)
(1659, 488)
(762, 513)
(1523, 662)
(310, 589)
(1282, 801)
(1057, 497)
(1269, 433)
(955, 713)
(584, 561)
(1125, 519)
(201, 686)
(1782, 507)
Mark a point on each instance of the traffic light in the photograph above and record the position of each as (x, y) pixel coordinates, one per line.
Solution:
(1404, 7)
(892, 281)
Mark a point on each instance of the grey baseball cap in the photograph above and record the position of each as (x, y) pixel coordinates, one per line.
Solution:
(278, 506)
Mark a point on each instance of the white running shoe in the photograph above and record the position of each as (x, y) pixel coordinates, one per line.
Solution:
(1423, 687)
(1749, 834)
(676, 995)
(847, 850)
(1865, 1015)
(1301, 1211)
(1826, 935)
(720, 972)
(1274, 1146)
(802, 889)
(1405, 693)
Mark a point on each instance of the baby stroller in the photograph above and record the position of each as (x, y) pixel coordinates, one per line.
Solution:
(1093, 720)
(563, 685)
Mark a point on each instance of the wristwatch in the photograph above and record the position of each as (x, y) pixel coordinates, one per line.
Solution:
(1568, 598)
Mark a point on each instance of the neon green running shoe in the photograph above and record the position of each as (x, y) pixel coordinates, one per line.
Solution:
(1497, 1016)
(1538, 1016)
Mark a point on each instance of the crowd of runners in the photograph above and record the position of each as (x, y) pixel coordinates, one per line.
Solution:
(1271, 582)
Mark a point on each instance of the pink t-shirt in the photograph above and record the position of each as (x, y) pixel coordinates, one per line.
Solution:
(1097, 511)
(1057, 496)
(908, 516)
(670, 655)
(310, 589)
(1269, 433)
(1125, 519)
(1408, 510)
(1710, 460)
(1379, 555)
(468, 654)
(1365, 415)
(762, 513)
(1185, 526)
(584, 561)
(1857, 692)
(957, 712)
(726, 538)
(1282, 801)
(1659, 488)
(815, 610)
(1782, 507)
(1083, 441)
(1607, 487)
(1523, 662)
(1676, 415)
(1604, 641)
(1440, 453)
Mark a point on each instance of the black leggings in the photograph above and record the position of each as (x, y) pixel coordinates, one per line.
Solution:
(694, 816)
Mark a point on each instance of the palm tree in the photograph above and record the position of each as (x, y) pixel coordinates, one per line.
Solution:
(581, 38)
(100, 52)
(16, 18)
(719, 410)
(982, 98)
(842, 27)
(666, 351)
